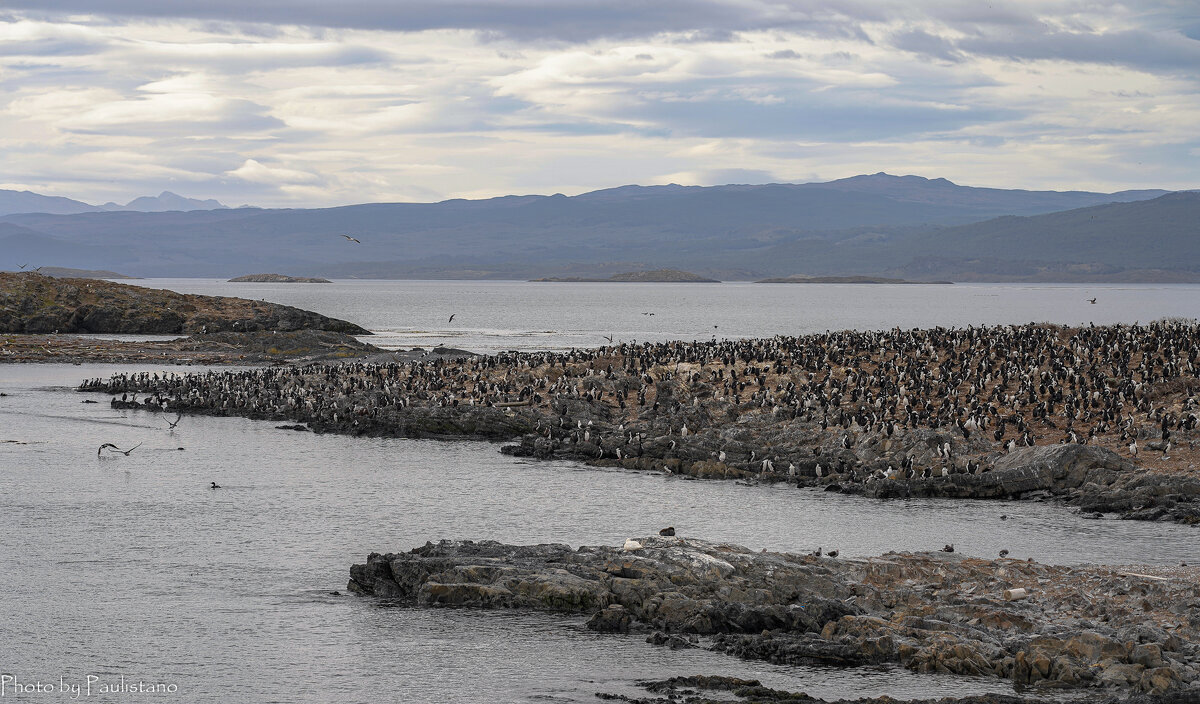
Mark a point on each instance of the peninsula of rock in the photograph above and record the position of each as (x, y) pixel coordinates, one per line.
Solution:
(1102, 418)
(1124, 629)
(32, 303)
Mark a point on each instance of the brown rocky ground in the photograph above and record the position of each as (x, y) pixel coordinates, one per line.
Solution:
(1120, 629)
(36, 304)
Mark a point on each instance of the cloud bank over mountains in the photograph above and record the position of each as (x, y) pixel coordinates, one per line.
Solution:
(306, 103)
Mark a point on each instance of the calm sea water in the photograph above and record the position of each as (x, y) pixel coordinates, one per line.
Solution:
(129, 566)
(499, 315)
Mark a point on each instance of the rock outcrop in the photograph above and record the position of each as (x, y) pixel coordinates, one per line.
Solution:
(1079, 627)
(31, 303)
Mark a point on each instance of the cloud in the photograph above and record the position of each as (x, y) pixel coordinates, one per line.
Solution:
(305, 103)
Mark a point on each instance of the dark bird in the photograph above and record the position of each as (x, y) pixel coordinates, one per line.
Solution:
(832, 553)
(1003, 553)
(609, 338)
(948, 548)
(215, 485)
(451, 320)
(351, 238)
(668, 531)
(114, 448)
(178, 417)
(1092, 301)
(816, 553)
(22, 266)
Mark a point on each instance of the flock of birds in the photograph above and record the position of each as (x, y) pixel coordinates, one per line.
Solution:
(945, 399)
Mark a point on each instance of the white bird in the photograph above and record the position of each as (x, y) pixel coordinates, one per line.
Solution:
(1133, 448)
(351, 238)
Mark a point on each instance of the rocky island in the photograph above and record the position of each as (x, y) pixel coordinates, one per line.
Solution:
(32, 303)
(279, 279)
(798, 279)
(1101, 418)
(1120, 629)
(656, 276)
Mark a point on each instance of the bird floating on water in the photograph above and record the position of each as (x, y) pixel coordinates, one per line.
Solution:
(1092, 301)
(215, 485)
(1003, 553)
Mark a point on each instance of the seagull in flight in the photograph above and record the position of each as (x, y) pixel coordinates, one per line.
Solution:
(351, 238)
(114, 448)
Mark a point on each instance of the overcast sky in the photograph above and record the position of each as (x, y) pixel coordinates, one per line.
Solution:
(311, 102)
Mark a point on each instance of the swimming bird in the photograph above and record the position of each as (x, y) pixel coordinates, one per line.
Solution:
(1092, 301)
(668, 531)
(215, 485)
(948, 548)
(351, 238)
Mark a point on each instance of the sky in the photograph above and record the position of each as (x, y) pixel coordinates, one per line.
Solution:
(311, 103)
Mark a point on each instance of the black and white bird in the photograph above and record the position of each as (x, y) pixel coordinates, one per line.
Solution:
(114, 448)
(351, 238)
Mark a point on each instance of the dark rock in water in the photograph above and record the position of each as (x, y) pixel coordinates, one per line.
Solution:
(930, 612)
(292, 427)
(695, 689)
(672, 641)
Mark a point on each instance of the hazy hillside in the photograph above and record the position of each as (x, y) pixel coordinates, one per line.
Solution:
(907, 227)
(13, 202)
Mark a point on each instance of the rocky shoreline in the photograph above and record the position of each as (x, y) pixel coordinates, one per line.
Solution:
(1116, 629)
(887, 415)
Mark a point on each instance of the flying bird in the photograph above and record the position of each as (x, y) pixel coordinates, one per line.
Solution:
(114, 448)
(22, 266)
(451, 320)
(178, 418)
(608, 337)
(351, 238)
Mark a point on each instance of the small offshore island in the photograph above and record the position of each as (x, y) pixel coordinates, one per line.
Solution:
(658, 276)
(798, 279)
(279, 279)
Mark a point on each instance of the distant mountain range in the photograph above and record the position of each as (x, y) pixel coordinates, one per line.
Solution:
(12, 202)
(875, 225)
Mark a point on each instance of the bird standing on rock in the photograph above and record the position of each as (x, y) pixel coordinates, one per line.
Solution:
(948, 548)
(668, 531)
